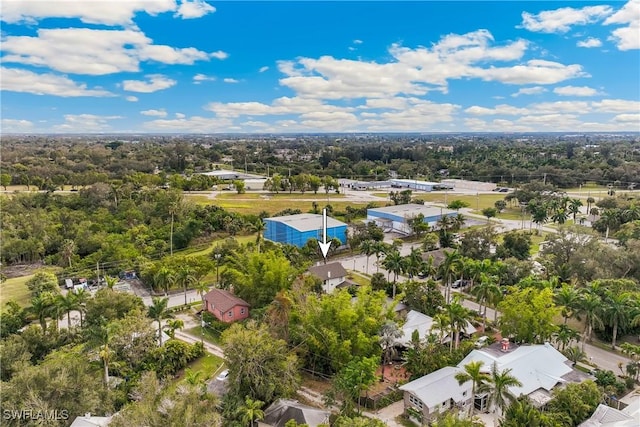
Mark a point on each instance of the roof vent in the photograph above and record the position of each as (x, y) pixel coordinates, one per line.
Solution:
(329, 274)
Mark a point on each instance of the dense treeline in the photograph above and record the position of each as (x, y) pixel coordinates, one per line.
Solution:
(561, 161)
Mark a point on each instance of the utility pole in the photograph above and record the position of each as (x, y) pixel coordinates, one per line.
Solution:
(544, 180)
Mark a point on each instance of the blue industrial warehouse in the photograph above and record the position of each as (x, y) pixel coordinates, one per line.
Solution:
(298, 229)
(396, 218)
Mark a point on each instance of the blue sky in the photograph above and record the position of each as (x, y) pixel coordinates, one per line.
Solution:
(190, 66)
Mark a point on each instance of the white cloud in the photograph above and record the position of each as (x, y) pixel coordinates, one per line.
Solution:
(154, 113)
(194, 124)
(180, 116)
(199, 78)
(219, 54)
(132, 98)
(632, 118)
(230, 80)
(535, 90)
(617, 106)
(18, 80)
(119, 12)
(421, 70)
(561, 20)
(94, 52)
(263, 69)
(575, 91)
(81, 123)
(194, 9)
(16, 126)
(626, 38)
(156, 82)
(535, 71)
(589, 42)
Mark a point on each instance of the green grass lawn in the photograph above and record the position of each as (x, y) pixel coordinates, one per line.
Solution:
(273, 205)
(206, 251)
(284, 195)
(16, 289)
(358, 278)
(208, 366)
(210, 336)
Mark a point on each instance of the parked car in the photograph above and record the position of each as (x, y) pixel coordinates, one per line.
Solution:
(460, 283)
(223, 375)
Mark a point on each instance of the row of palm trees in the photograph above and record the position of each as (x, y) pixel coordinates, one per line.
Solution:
(495, 383)
(599, 306)
(55, 306)
(557, 209)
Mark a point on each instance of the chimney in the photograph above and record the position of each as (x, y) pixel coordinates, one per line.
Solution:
(505, 345)
(329, 274)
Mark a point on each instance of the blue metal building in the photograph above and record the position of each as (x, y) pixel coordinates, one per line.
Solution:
(298, 229)
(396, 218)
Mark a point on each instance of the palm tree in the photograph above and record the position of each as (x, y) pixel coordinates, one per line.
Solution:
(173, 208)
(564, 335)
(449, 269)
(158, 311)
(575, 355)
(67, 250)
(41, 307)
(82, 296)
(459, 317)
(389, 334)
(484, 292)
(367, 248)
(441, 325)
(251, 411)
(164, 279)
(379, 248)
(110, 281)
(590, 306)
(498, 387)
(202, 288)
(473, 372)
(413, 262)
(567, 297)
(101, 338)
(617, 308)
(590, 201)
(185, 276)
(172, 326)
(610, 218)
(574, 208)
(68, 303)
(393, 264)
(258, 227)
(278, 313)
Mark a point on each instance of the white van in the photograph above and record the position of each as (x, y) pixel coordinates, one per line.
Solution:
(68, 283)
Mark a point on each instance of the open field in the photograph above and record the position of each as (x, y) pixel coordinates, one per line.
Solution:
(272, 206)
(284, 195)
(16, 289)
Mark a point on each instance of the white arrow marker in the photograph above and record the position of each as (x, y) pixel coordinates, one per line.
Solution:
(324, 245)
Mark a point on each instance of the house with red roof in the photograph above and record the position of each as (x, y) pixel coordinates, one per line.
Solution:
(226, 306)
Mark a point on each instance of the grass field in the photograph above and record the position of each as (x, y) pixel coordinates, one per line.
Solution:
(16, 289)
(210, 336)
(209, 365)
(267, 196)
(273, 205)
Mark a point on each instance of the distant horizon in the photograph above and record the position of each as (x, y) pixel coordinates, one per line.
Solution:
(292, 67)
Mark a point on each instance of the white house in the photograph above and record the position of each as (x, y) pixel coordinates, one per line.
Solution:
(416, 321)
(332, 275)
(539, 368)
(436, 393)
